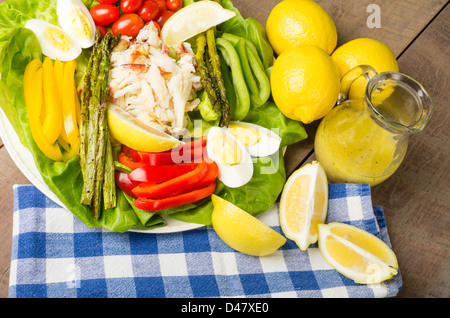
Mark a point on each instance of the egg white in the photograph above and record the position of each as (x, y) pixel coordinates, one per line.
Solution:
(38, 27)
(231, 176)
(63, 9)
(268, 144)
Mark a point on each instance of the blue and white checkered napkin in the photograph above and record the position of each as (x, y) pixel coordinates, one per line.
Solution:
(54, 255)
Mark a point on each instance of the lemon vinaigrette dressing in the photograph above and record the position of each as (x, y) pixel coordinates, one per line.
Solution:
(365, 140)
(353, 148)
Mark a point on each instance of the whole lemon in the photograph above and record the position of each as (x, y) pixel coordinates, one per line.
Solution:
(294, 22)
(305, 83)
(363, 51)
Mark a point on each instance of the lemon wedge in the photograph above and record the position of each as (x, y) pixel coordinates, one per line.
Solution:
(192, 20)
(356, 253)
(304, 204)
(135, 134)
(242, 231)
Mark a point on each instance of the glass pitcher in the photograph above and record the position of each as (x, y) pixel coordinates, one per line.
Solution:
(365, 140)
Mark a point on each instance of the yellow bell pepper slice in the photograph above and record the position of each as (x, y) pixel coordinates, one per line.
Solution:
(58, 66)
(52, 124)
(33, 90)
(77, 107)
(69, 98)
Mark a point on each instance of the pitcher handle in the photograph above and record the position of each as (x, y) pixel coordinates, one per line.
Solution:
(347, 80)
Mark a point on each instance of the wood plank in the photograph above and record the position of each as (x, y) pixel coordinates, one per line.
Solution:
(10, 175)
(416, 198)
(401, 20)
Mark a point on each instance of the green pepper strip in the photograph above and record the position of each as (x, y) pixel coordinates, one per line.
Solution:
(232, 60)
(252, 67)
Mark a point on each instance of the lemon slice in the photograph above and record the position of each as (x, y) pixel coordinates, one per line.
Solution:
(304, 204)
(242, 231)
(135, 134)
(356, 253)
(192, 20)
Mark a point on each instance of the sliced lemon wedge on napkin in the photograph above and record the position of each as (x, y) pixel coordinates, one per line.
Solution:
(192, 20)
(304, 204)
(356, 254)
(242, 231)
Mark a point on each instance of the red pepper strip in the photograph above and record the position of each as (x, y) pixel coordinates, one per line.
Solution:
(190, 152)
(173, 186)
(130, 163)
(160, 173)
(185, 198)
(133, 154)
(125, 184)
(210, 176)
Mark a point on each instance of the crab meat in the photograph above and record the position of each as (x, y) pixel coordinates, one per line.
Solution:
(151, 85)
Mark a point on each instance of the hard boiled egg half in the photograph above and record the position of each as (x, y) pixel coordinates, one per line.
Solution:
(258, 141)
(234, 162)
(75, 19)
(54, 42)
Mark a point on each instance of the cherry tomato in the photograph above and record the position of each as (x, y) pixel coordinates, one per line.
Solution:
(104, 14)
(130, 6)
(164, 15)
(161, 4)
(174, 5)
(149, 10)
(103, 30)
(108, 1)
(129, 24)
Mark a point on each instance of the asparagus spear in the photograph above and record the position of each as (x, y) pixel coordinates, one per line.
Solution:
(84, 101)
(202, 70)
(109, 185)
(215, 63)
(102, 80)
(209, 69)
(92, 129)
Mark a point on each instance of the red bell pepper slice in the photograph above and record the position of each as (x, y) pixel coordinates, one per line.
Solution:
(173, 186)
(185, 198)
(130, 158)
(160, 173)
(210, 176)
(125, 184)
(189, 152)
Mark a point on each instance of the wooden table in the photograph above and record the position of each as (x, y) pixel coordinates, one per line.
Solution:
(416, 199)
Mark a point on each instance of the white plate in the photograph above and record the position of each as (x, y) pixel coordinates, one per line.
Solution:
(23, 158)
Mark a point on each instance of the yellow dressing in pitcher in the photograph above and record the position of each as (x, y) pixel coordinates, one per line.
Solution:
(364, 140)
(354, 149)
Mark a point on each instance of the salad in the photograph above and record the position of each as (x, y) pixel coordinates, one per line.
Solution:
(206, 97)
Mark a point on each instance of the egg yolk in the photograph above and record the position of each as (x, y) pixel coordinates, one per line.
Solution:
(249, 136)
(226, 150)
(59, 39)
(81, 26)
